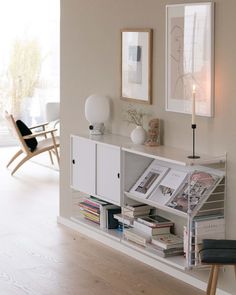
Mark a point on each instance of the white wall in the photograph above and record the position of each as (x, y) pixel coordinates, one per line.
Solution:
(90, 63)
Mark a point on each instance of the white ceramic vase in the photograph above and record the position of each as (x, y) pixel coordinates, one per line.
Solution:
(138, 135)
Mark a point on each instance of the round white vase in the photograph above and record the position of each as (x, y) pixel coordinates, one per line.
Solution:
(138, 135)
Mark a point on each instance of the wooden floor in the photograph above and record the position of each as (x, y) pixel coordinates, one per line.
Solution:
(40, 257)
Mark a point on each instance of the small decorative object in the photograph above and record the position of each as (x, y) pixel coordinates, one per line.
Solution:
(97, 111)
(136, 65)
(190, 57)
(153, 135)
(194, 126)
(138, 135)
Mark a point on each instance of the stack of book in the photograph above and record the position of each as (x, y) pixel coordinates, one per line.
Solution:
(137, 236)
(147, 230)
(204, 227)
(130, 212)
(136, 210)
(90, 209)
(155, 221)
(99, 212)
(207, 227)
(167, 245)
(151, 230)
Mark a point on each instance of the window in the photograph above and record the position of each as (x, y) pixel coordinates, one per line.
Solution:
(29, 59)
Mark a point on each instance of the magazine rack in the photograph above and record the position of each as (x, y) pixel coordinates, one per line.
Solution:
(109, 166)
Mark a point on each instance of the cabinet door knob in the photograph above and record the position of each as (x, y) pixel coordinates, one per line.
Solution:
(73, 161)
(118, 175)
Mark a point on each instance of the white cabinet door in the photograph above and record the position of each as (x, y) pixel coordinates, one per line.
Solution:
(108, 173)
(83, 163)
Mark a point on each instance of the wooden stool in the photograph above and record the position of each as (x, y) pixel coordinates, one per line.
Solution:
(217, 253)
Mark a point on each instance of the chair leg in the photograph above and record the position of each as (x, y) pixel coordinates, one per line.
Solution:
(210, 280)
(50, 154)
(214, 280)
(51, 158)
(20, 164)
(235, 270)
(56, 150)
(14, 157)
(57, 156)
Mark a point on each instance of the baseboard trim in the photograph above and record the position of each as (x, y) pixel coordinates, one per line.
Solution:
(178, 274)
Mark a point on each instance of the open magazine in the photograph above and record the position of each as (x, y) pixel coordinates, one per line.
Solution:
(194, 189)
(149, 179)
(168, 186)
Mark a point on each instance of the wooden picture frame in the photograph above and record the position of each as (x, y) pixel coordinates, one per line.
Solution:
(136, 65)
(190, 57)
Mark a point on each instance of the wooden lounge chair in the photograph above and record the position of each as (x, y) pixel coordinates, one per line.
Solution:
(49, 143)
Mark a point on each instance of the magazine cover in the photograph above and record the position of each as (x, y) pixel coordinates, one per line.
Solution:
(148, 181)
(194, 189)
(168, 186)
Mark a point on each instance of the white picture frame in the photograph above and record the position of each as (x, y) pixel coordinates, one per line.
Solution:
(136, 65)
(190, 57)
(149, 180)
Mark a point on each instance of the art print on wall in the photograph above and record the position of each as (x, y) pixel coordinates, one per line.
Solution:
(189, 57)
(136, 67)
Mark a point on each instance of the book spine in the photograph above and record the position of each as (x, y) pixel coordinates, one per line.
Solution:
(159, 244)
(103, 222)
(82, 209)
(88, 201)
(95, 221)
(154, 225)
(89, 214)
(150, 230)
(138, 208)
(209, 227)
(85, 207)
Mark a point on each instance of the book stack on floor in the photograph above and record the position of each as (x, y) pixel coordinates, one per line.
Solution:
(131, 212)
(99, 212)
(154, 232)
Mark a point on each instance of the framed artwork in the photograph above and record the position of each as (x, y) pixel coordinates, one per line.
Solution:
(189, 58)
(136, 65)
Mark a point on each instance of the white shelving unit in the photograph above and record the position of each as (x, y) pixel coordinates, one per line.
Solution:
(108, 166)
(213, 203)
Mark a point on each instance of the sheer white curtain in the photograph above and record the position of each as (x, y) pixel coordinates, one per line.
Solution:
(29, 59)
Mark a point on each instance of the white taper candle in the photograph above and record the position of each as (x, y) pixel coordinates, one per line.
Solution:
(193, 105)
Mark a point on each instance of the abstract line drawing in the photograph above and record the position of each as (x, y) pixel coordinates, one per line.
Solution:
(189, 57)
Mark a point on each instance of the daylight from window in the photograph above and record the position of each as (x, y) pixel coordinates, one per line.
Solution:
(29, 59)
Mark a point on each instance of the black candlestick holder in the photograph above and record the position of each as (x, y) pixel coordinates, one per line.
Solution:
(193, 156)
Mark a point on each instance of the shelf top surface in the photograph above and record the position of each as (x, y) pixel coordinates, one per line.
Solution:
(164, 153)
(110, 139)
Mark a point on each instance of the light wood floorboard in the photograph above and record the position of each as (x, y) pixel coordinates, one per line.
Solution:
(40, 257)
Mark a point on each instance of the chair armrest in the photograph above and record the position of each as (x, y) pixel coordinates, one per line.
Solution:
(56, 122)
(39, 125)
(40, 133)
